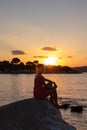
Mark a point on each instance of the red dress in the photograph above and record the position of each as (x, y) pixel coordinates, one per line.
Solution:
(39, 91)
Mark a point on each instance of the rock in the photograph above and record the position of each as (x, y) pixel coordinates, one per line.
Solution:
(78, 109)
(32, 114)
(64, 105)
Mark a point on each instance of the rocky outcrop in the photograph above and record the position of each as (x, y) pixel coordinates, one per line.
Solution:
(78, 109)
(32, 114)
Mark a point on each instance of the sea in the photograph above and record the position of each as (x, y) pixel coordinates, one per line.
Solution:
(70, 87)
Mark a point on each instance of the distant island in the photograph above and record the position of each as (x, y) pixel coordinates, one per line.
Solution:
(81, 68)
(18, 67)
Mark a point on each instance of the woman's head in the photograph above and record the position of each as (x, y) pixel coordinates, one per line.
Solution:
(39, 68)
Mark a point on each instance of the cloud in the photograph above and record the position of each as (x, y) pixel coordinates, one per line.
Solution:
(18, 52)
(49, 49)
(40, 56)
(69, 56)
(60, 58)
(65, 57)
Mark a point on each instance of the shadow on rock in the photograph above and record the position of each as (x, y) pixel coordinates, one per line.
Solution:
(32, 114)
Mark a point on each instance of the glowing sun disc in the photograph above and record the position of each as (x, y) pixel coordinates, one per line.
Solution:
(50, 61)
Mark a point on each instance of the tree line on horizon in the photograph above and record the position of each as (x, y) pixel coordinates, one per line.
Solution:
(16, 66)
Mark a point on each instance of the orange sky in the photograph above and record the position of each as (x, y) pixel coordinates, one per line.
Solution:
(35, 30)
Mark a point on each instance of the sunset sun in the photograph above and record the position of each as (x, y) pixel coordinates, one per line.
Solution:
(50, 61)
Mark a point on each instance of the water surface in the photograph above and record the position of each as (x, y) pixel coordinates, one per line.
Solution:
(71, 87)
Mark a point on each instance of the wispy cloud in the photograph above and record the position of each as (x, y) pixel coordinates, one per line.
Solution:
(40, 56)
(18, 52)
(69, 56)
(60, 58)
(48, 48)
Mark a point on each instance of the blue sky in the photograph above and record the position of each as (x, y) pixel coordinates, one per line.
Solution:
(29, 25)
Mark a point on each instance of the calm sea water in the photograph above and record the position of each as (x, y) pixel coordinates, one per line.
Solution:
(71, 87)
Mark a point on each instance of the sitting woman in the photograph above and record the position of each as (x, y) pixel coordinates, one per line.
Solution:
(43, 88)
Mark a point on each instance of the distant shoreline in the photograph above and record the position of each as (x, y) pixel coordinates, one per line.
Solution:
(43, 73)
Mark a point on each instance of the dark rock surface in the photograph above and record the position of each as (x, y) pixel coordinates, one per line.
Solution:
(32, 114)
(78, 109)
